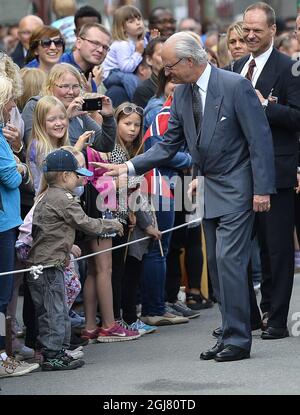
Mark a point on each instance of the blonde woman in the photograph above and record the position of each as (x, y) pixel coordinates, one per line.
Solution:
(235, 41)
(65, 83)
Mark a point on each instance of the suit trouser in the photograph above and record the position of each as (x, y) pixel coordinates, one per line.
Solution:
(275, 232)
(228, 241)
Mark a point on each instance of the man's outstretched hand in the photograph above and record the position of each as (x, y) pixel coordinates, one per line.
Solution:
(112, 169)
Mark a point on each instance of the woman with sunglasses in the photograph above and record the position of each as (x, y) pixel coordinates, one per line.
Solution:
(46, 46)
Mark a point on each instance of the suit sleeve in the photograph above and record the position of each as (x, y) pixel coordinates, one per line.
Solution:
(163, 151)
(256, 129)
(287, 115)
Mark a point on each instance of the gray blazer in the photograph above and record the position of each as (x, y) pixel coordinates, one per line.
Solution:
(234, 152)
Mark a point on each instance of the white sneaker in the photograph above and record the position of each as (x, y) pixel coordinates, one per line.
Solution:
(11, 367)
(75, 354)
(24, 353)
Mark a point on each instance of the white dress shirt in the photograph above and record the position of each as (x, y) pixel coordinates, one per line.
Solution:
(203, 84)
(260, 61)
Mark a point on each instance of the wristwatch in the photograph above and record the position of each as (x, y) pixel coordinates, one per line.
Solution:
(265, 103)
(298, 170)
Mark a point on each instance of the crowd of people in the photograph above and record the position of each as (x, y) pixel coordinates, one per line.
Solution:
(67, 172)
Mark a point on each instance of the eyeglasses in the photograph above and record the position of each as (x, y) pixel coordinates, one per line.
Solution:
(129, 110)
(46, 43)
(169, 67)
(97, 44)
(75, 87)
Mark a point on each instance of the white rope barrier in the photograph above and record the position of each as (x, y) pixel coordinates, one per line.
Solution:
(36, 270)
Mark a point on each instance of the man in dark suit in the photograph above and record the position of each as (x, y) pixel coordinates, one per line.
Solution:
(278, 89)
(232, 149)
(26, 26)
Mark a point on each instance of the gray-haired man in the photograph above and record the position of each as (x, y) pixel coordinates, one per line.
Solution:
(232, 149)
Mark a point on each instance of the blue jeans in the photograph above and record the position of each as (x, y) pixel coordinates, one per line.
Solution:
(49, 299)
(7, 263)
(154, 267)
(127, 80)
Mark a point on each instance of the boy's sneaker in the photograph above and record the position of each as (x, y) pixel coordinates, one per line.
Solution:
(116, 333)
(141, 327)
(90, 335)
(184, 310)
(75, 354)
(12, 367)
(61, 362)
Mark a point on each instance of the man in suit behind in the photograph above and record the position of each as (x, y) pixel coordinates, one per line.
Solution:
(232, 149)
(278, 89)
(26, 26)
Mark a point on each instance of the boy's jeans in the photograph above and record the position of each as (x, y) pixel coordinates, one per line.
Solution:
(48, 295)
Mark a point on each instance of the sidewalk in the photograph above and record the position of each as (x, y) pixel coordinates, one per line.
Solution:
(167, 362)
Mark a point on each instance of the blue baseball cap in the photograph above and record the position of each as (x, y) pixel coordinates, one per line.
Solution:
(63, 160)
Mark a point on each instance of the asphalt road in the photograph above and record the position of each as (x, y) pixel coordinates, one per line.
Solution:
(167, 363)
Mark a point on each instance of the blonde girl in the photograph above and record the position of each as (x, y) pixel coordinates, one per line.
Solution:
(49, 131)
(126, 51)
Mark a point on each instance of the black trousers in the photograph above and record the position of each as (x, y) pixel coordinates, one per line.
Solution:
(275, 234)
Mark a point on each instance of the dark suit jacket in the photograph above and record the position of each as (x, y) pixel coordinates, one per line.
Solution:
(235, 151)
(284, 117)
(18, 55)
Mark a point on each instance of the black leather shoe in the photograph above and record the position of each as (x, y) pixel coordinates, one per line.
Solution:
(231, 353)
(272, 333)
(217, 332)
(211, 353)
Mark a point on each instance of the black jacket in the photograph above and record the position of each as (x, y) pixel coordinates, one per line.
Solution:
(277, 78)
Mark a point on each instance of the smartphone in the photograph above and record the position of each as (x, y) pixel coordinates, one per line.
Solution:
(92, 104)
(91, 139)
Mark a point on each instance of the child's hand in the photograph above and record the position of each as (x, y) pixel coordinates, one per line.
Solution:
(76, 251)
(192, 189)
(82, 140)
(153, 232)
(98, 74)
(112, 225)
(132, 221)
(87, 83)
(139, 46)
(154, 33)
(75, 108)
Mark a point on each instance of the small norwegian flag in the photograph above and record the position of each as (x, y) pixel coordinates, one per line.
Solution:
(154, 182)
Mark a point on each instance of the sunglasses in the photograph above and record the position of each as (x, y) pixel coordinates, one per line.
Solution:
(46, 43)
(129, 110)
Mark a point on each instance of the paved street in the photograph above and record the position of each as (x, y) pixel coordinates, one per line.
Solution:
(167, 362)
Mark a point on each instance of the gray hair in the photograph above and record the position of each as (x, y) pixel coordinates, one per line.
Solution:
(188, 46)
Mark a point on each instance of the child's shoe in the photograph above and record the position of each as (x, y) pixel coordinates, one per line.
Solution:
(90, 335)
(11, 367)
(61, 362)
(116, 334)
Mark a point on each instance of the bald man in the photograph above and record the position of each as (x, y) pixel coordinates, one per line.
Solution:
(26, 26)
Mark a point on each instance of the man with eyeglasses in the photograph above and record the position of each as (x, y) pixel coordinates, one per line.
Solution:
(217, 114)
(91, 47)
(26, 26)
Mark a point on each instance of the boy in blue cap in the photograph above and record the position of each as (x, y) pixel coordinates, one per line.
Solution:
(56, 217)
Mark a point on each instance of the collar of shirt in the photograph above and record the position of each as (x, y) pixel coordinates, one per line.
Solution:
(260, 61)
(203, 83)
